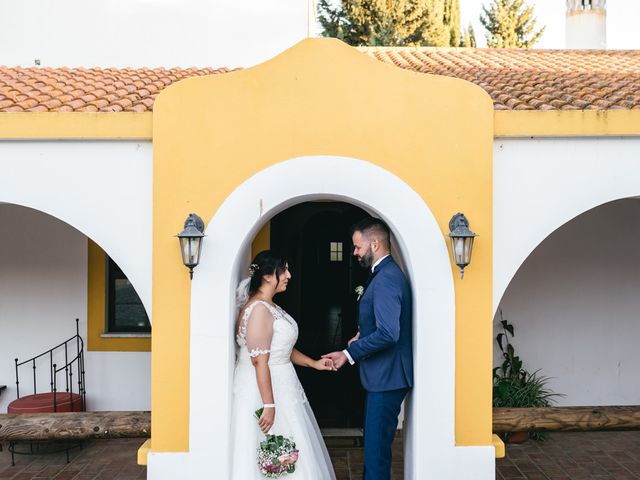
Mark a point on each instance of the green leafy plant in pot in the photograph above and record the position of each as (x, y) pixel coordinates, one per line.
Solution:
(514, 386)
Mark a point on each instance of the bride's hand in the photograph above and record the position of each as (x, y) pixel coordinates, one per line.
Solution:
(266, 419)
(356, 337)
(324, 364)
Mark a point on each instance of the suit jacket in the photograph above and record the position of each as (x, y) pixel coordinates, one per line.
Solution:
(384, 349)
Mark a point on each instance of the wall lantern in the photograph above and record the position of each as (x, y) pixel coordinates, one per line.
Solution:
(461, 241)
(191, 242)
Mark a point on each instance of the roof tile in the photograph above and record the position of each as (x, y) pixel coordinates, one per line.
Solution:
(515, 79)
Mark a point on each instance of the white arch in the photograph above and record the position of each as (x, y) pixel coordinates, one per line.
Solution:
(540, 184)
(101, 188)
(431, 450)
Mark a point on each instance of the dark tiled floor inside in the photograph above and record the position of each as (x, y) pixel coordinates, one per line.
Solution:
(565, 456)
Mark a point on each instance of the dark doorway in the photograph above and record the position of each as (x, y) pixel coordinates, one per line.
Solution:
(314, 236)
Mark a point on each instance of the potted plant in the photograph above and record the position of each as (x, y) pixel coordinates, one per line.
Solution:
(514, 386)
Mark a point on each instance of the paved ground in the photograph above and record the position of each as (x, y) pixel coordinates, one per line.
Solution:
(574, 456)
(566, 456)
(347, 459)
(98, 460)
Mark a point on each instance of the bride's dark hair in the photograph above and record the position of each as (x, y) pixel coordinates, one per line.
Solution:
(266, 262)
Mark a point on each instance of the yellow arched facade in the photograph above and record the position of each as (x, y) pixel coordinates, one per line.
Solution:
(321, 97)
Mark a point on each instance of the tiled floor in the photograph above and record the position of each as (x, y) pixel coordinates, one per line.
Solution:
(348, 459)
(574, 456)
(98, 460)
(565, 456)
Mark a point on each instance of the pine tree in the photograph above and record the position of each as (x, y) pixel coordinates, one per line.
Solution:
(391, 22)
(468, 38)
(510, 24)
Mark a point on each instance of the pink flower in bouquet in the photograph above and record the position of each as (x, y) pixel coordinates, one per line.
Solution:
(289, 459)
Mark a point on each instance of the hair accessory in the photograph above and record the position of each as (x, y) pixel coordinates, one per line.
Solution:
(253, 268)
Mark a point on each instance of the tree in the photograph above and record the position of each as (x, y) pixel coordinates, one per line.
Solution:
(391, 22)
(468, 38)
(451, 21)
(510, 24)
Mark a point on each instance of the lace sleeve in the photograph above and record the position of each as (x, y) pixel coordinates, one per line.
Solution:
(259, 331)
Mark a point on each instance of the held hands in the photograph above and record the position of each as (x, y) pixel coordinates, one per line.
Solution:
(324, 364)
(338, 359)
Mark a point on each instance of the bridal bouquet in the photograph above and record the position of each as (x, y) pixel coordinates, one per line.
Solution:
(277, 455)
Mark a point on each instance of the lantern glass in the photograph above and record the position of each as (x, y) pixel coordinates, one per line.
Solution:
(458, 248)
(461, 247)
(190, 247)
(467, 250)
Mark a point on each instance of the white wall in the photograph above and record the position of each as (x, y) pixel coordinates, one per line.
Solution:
(575, 304)
(43, 289)
(169, 33)
(541, 183)
(574, 301)
(102, 188)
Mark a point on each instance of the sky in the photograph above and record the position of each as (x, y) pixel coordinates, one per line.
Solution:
(622, 22)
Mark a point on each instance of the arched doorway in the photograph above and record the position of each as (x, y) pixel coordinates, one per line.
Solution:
(574, 305)
(430, 449)
(47, 281)
(314, 236)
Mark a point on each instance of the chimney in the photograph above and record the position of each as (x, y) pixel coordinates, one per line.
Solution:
(586, 24)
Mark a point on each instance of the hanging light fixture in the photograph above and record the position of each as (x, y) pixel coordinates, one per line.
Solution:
(461, 241)
(191, 242)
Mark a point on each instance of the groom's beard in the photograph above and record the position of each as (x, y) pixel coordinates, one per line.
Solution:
(367, 259)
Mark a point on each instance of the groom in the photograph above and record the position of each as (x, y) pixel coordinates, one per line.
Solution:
(382, 347)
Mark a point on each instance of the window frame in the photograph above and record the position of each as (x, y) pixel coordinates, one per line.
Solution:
(113, 273)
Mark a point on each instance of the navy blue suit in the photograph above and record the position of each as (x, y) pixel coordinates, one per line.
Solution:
(385, 357)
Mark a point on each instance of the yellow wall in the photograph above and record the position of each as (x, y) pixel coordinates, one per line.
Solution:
(262, 240)
(96, 309)
(320, 97)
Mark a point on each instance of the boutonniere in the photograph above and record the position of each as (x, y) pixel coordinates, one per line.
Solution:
(359, 292)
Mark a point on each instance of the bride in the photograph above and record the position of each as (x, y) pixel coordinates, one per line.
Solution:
(265, 377)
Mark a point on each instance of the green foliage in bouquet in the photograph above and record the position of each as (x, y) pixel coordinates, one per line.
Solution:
(513, 385)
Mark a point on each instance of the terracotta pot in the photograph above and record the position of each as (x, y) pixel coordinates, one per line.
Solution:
(518, 437)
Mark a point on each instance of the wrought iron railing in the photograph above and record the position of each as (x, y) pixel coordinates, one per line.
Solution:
(77, 361)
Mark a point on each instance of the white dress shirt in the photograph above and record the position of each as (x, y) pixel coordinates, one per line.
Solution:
(373, 267)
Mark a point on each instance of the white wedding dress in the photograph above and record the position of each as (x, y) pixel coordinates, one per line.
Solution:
(268, 329)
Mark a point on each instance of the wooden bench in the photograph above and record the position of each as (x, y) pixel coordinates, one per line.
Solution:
(566, 419)
(18, 427)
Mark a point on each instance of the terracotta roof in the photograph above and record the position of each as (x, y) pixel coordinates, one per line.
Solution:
(533, 79)
(87, 89)
(515, 79)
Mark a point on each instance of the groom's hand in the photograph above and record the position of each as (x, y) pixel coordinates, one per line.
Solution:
(338, 358)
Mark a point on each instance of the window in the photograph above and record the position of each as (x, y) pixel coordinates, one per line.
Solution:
(335, 251)
(125, 312)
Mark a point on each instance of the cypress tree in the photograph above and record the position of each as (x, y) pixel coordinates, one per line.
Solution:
(510, 24)
(451, 20)
(468, 38)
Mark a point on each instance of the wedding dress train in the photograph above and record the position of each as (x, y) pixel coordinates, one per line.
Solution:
(294, 417)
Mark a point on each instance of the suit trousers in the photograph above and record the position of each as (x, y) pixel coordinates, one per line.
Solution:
(380, 422)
